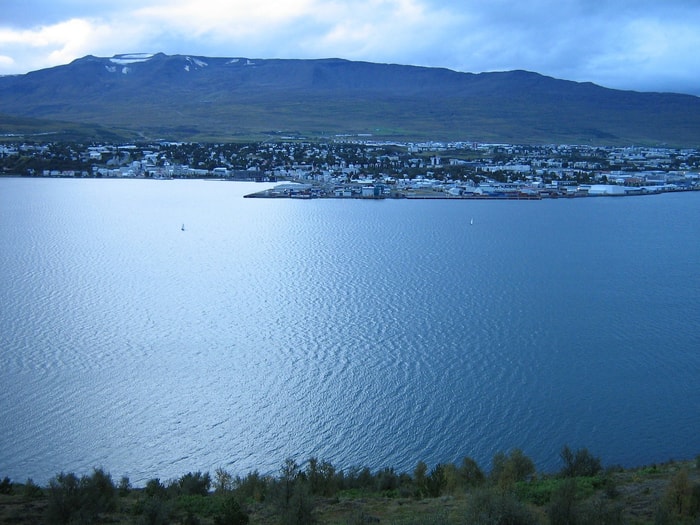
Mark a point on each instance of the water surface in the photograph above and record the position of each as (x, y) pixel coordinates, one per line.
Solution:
(375, 333)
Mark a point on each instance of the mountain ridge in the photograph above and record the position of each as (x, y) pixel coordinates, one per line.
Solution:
(187, 97)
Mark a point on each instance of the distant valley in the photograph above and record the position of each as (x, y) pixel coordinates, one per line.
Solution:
(202, 99)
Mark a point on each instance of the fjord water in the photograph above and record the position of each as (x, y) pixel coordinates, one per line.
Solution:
(373, 333)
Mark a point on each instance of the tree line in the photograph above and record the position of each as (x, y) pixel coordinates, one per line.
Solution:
(512, 492)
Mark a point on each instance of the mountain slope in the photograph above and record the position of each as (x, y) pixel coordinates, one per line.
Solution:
(198, 98)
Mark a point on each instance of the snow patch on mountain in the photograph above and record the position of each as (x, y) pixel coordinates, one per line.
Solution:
(196, 62)
(133, 58)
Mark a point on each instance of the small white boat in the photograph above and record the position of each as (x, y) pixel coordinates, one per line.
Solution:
(183, 228)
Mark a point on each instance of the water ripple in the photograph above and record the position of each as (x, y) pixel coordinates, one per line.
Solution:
(365, 333)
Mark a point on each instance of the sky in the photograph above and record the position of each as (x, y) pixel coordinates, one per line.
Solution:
(642, 45)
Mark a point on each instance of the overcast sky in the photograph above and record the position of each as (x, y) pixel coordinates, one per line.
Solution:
(645, 45)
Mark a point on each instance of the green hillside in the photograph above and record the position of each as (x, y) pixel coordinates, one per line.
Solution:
(221, 99)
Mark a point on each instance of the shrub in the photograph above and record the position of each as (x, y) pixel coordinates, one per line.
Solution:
(64, 499)
(579, 463)
(600, 511)
(98, 492)
(124, 487)
(71, 499)
(497, 507)
(387, 480)
(252, 487)
(6, 486)
(154, 511)
(32, 490)
(194, 484)
(678, 497)
(231, 513)
(562, 505)
(508, 469)
(155, 489)
(436, 481)
(470, 474)
(420, 482)
(223, 481)
(299, 510)
(539, 492)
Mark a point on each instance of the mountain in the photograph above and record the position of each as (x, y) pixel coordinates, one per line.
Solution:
(217, 99)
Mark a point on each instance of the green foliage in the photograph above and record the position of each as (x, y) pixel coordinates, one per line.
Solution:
(579, 463)
(387, 480)
(451, 478)
(252, 487)
(300, 509)
(358, 478)
(562, 507)
(509, 469)
(64, 498)
(681, 498)
(100, 491)
(321, 477)
(231, 513)
(420, 479)
(436, 481)
(32, 490)
(155, 489)
(192, 484)
(470, 474)
(497, 507)
(6, 486)
(568, 506)
(538, 492)
(289, 474)
(600, 511)
(71, 499)
(124, 487)
(294, 498)
(154, 511)
(196, 504)
(223, 481)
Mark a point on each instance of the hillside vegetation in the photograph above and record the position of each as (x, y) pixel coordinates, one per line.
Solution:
(220, 99)
(581, 493)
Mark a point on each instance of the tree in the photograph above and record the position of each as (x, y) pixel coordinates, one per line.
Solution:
(288, 477)
(579, 463)
(6, 486)
(492, 507)
(436, 481)
(223, 481)
(231, 513)
(72, 499)
(420, 479)
(678, 497)
(194, 484)
(470, 474)
(508, 469)
(562, 505)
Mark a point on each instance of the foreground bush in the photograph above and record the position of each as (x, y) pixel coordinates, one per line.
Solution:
(579, 463)
(494, 506)
(80, 500)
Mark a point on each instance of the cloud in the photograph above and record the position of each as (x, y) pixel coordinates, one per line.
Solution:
(638, 44)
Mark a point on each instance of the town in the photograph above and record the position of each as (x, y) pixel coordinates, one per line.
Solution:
(358, 167)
